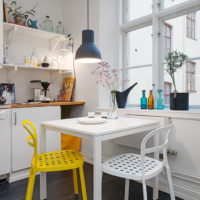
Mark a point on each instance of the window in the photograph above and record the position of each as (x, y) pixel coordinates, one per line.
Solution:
(135, 9)
(167, 39)
(190, 18)
(148, 38)
(167, 91)
(190, 76)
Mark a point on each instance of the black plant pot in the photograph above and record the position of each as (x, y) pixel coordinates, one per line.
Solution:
(179, 101)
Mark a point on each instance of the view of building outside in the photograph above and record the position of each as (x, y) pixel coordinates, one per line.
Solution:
(181, 34)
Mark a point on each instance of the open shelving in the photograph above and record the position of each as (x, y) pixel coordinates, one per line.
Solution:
(12, 29)
(29, 67)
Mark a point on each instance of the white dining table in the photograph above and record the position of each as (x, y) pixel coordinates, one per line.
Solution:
(97, 133)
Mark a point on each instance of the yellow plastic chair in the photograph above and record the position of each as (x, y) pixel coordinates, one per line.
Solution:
(53, 161)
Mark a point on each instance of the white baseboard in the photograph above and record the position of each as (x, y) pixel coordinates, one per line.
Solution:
(185, 187)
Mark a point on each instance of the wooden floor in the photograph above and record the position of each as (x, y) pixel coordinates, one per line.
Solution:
(60, 187)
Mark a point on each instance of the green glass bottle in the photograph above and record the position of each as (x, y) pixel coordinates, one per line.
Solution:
(143, 100)
(160, 100)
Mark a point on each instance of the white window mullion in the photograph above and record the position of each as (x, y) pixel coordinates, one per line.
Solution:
(157, 68)
(179, 10)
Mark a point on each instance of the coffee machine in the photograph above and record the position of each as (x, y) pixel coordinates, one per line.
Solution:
(37, 89)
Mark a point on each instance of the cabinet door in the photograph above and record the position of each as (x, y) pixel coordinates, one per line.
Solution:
(22, 153)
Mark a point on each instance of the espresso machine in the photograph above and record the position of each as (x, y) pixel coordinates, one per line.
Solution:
(37, 90)
(45, 86)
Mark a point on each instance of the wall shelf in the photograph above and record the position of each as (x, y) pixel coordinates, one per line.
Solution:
(24, 67)
(12, 29)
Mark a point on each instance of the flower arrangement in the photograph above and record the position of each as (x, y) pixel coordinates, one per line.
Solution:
(109, 76)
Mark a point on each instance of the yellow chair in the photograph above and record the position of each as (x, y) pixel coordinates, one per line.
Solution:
(53, 161)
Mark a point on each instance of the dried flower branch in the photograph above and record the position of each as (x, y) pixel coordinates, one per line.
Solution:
(108, 76)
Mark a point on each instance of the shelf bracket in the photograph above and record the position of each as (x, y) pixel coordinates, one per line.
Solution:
(11, 34)
(53, 43)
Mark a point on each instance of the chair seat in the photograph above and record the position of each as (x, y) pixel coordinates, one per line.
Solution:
(59, 160)
(129, 166)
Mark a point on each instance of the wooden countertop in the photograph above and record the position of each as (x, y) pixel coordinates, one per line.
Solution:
(28, 105)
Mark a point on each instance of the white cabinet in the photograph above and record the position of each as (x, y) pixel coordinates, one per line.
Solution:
(22, 153)
(5, 141)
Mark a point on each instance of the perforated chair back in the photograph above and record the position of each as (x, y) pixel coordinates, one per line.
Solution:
(162, 147)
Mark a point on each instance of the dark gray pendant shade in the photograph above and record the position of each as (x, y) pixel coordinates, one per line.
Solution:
(88, 52)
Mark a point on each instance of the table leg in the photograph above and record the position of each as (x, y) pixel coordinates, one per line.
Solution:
(156, 179)
(97, 173)
(43, 184)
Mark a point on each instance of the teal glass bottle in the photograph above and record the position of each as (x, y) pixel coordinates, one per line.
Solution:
(143, 100)
(160, 100)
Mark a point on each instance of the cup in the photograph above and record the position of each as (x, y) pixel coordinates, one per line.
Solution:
(91, 114)
(104, 115)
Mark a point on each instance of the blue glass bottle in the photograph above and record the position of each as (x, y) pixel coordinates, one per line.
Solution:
(143, 100)
(160, 100)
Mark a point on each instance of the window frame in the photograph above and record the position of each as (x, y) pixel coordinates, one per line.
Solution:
(191, 21)
(190, 73)
(166, 37)
(156, 20)
(164, 93)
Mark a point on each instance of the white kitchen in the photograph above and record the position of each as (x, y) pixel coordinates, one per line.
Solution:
(97, 99)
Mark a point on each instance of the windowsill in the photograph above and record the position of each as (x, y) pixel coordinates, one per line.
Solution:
(192, 114)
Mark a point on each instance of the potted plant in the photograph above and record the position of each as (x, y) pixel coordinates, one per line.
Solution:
(175, 61)
(20, 16)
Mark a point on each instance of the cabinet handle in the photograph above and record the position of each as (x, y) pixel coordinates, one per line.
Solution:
(15, 115)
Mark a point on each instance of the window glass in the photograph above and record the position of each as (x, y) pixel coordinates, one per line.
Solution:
(136, 9)
(143, 76)
(190, 23)
(167, 91)
(170, 3)
(139, 48)
(167, 39)
(188, 77)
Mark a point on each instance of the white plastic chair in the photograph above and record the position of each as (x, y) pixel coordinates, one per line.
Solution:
(140, 167)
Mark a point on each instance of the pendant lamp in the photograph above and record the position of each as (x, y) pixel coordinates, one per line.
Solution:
(88, 52)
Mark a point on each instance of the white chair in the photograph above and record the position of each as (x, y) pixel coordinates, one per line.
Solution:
(140, 167)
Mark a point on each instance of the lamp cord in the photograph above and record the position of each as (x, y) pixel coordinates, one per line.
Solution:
(88, 14)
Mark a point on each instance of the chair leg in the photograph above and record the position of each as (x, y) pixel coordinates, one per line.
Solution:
(144, 190)
(31, 182)
(169, 177)
(84, 193)
(126, 196)
(75, 183)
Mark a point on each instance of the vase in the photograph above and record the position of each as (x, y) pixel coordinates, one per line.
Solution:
(20, 20)
(179, 101)
(113, 108)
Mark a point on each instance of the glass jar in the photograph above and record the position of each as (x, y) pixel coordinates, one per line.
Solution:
(48, 24)
(60, 28)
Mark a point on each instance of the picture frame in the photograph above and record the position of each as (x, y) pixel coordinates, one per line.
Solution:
(7, 93)
(67, 89)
